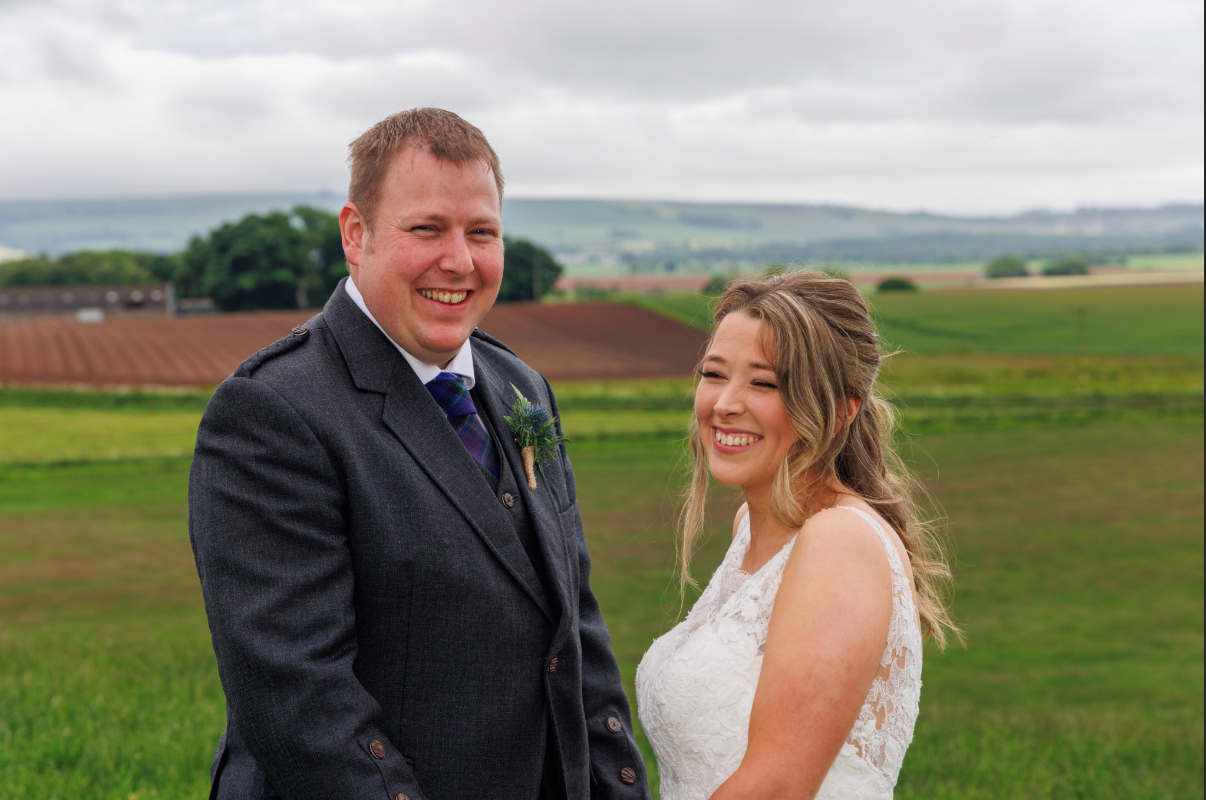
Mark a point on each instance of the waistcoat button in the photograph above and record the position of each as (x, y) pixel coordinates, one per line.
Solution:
(614, 725)
(508, 499)
(553, 665)
(377, 749)
(628, 775)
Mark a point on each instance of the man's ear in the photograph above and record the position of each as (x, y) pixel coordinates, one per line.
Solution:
(354, 231)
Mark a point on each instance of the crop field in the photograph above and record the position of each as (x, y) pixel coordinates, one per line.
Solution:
(1072, 484)
(561, 341)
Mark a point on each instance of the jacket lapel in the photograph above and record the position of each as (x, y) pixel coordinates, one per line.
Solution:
(495, 394)
(419, 424)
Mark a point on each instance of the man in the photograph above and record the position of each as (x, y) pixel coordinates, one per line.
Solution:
(395, 614)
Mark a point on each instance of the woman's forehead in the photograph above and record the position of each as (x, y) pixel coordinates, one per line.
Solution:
(742, 338)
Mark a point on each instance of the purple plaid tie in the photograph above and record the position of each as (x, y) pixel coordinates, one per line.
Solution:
(450, 393)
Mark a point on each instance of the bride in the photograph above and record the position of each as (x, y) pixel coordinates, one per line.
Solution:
(798, 672)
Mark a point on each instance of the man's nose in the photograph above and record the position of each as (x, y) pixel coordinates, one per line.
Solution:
(457, 257)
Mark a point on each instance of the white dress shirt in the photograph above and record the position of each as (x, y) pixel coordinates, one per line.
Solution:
(461, 364)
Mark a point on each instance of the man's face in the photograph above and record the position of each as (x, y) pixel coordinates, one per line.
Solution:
(431, 265)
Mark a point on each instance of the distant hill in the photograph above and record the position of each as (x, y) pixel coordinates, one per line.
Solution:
(650, 236)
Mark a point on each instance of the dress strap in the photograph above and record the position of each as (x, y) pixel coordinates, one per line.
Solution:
(893, 556)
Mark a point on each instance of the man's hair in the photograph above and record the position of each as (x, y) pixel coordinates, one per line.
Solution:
(443, 134)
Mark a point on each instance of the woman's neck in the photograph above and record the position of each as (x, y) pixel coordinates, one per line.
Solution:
(766, 527)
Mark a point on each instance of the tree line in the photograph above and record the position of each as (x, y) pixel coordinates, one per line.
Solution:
(280, 259)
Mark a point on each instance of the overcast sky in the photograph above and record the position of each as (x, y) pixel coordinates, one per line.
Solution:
(942, 105)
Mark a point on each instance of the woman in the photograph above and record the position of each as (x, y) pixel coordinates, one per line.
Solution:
(798, 672)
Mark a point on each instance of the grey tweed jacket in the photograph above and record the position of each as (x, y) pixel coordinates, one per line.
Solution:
(380, 631)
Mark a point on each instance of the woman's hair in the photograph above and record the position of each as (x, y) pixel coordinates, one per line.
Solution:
(818, 332)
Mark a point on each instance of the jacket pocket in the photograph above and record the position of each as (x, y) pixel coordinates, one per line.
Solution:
(571, 521)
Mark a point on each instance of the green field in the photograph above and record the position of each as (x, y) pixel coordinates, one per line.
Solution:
(1073, 487)
(1106, 321)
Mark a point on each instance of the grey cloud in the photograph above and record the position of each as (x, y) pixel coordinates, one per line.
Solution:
(1004, 60)
(221, 105)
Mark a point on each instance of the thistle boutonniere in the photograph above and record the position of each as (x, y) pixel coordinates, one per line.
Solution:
(536, 432)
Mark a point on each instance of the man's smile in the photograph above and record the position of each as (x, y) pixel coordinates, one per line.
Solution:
(445, 298)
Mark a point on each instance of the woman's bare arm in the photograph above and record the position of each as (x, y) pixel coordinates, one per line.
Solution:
(827, 635)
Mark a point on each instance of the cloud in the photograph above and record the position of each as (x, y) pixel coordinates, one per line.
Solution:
(935, 103)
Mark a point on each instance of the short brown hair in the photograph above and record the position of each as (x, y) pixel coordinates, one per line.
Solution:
(443, 134)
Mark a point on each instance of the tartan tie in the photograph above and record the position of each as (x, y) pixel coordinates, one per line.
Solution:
(450, 393)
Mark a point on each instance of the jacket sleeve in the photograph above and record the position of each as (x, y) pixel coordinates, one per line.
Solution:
(267, 520)
(603, 699)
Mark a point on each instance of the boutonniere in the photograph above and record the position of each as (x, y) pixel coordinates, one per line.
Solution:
(536, 432)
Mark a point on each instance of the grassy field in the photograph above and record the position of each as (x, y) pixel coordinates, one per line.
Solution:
(1108, 321)
(1072, 485)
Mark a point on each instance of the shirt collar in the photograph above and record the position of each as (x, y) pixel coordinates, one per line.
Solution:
(461, 364)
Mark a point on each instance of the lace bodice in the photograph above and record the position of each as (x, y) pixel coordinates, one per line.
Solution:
(695, 686)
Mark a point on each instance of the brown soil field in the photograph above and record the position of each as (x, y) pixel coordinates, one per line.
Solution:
(564, 342)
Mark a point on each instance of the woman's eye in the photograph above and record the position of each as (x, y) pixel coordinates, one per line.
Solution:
(766, 384)
(706, 374)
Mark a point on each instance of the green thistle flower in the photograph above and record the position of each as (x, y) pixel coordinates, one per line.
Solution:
(536, 432)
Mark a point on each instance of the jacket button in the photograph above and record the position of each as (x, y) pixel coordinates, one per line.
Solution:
(300, 331)
(553, 665)
(377, 749)
(628, 775)
(508, 499)
(614, 725)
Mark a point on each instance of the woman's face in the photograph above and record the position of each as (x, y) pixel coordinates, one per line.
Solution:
(740, 415)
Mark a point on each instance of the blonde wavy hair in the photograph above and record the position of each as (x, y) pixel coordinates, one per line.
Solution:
(818, 332)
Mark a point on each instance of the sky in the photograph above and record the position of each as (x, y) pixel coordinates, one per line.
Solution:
(985, 107)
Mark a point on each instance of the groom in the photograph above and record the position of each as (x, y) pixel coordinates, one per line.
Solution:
(395, 614)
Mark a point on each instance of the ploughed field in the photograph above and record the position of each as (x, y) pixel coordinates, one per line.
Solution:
(1072, 486)
(564, 342)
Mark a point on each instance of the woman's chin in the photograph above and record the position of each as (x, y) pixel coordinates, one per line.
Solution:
(727, 477)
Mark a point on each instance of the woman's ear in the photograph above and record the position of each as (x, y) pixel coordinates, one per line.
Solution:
(853, 404)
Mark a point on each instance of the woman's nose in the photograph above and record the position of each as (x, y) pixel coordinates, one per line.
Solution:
(729, 401)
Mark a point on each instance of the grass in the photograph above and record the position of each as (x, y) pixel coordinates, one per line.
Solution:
(1079, 563)
(1109, 321)
(1072, 482)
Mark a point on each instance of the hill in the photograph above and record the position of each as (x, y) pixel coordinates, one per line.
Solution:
(622, 236)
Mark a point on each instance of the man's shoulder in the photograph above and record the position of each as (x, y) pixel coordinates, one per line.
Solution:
(502, 359)
(297, 361)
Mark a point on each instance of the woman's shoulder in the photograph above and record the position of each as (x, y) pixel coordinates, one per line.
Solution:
(845, 537)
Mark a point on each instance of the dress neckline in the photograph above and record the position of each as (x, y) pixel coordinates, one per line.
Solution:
(743, 528)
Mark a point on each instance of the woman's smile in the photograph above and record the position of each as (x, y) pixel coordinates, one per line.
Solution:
(734, 441)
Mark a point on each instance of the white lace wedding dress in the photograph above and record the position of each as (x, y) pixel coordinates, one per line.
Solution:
(695, 686)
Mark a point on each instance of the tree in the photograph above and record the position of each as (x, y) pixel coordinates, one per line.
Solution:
(529, 272)
(324, 244)
(716, 285)
(1006, 267)
(273, 260)
(1067, 265)
(896, 283)
(257, 262)
(82, 269)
